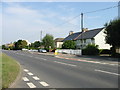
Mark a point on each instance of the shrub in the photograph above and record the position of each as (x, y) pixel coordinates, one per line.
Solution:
(90, 49)
(105, 51)
(69, 45)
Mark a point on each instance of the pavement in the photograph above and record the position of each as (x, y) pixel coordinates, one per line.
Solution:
(45, 70)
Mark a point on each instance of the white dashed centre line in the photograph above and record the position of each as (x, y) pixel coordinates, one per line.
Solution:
(107, 72)
(66, 64)
(44, 84)
(25, 79)
(26, 70)
(37, 57)
(30, 73)
(31, 85)
(36, 78)
(44, 59)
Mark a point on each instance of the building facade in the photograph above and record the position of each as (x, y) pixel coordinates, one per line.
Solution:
(95, 36)
(59, 42)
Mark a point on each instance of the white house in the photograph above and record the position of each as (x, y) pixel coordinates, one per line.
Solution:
(95, 36)
(58, 42)
(28, 43)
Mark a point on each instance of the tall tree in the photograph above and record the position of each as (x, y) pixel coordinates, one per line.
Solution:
(112, 32)
(20, 44)
(48, 41)
(37, 44)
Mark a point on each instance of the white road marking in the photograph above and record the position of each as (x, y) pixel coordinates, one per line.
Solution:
(36, 78)
(89, 61)
(107, 72)
(25, 79)
(44, 59)
(97, 62)
(37, 57)
(104, 63)
(31, 85)
(113, 64)
(65, 64)
(26, 70)
(44, 84)
(30, 73)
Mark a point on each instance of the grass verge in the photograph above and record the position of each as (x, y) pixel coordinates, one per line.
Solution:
(10, 70)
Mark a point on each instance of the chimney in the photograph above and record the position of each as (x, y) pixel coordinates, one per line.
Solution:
(71, 32)
(85, 29)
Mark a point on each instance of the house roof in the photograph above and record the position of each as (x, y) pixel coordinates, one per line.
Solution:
(89, 34)
(85, 35)
(72, 36)
(59, 39)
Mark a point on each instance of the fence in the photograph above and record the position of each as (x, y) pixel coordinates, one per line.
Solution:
(69, 51)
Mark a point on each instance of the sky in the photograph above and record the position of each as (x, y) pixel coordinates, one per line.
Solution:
(26, 20)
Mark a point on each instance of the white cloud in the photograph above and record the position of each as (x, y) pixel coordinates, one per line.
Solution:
(24, 22)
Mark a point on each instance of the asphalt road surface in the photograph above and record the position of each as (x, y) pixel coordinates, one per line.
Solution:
(41, 71)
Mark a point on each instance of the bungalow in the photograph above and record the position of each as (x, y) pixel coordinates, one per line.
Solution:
(95, 36)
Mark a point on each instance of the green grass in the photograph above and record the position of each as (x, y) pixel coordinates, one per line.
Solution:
(10, 70)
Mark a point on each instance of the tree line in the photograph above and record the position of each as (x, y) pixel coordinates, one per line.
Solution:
(47, 42)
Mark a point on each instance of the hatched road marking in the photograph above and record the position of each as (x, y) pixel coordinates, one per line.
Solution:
(36, 78)
(30, 73)
(25, 79)
(44, 84)
(31, 85)
(26, 70)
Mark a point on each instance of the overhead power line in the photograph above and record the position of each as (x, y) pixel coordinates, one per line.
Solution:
(68, 21)
(101, 9)
(87, 13)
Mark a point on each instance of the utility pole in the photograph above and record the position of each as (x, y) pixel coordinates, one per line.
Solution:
(41, 36)
(81, 30)
(82, 22)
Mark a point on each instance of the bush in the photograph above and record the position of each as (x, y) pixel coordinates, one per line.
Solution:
(105, 51)
(68, 45)
(91, 49)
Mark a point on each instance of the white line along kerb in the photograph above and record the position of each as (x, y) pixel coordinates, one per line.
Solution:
(107, 72)
(44, 84)
(26, 70)
(31, 85)
(36, 78)
(25, 79)
(30, 73)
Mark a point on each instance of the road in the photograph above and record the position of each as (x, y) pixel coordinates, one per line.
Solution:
(41, 71)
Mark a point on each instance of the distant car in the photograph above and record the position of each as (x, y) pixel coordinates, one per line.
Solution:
(42, 50)
(32, 50)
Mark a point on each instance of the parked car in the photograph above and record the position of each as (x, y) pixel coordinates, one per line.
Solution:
(33, 50)
(42, 50)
